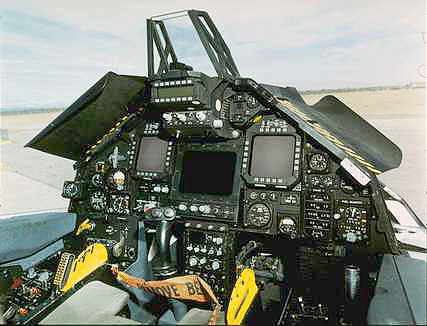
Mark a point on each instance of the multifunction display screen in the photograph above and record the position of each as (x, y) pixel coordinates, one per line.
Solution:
(210, 173)
(151, 154)
(272, 156)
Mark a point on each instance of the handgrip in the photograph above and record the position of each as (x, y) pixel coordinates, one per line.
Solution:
(162, 263)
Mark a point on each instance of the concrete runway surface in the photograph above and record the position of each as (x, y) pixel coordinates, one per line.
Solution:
(32, 180)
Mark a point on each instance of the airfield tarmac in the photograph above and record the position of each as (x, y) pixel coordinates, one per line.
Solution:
(31, 180)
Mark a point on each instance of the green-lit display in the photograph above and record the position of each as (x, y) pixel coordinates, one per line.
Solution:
(175, 91)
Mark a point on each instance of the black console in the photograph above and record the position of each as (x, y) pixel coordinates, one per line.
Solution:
(208, 251)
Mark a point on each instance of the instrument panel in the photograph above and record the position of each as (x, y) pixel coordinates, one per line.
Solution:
(269, 178)
(218, 160)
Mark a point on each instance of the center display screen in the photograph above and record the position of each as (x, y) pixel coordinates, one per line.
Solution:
(151, 154)
(210, 173)
(272, 156)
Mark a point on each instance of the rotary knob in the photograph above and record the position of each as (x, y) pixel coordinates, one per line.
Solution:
(215, 265)
(202, 261)
(167, 117)
(169, 212)
(156, 213)
(181, 117)
(194, 208)
(201, 116)
(182, 207)
(165, 189)
(217, 124)
(192, 261)
(205, 209)
(157, 189)
(196, 249)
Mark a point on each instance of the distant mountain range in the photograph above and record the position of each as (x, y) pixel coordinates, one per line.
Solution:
(362, 89)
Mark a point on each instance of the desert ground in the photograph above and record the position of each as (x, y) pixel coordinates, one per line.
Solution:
(31, 180)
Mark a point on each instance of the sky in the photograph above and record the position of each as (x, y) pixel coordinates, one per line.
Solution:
(53, 51)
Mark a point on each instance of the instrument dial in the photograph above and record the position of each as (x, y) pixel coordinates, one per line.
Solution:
(318, 162)
(117, 180)
(97, 180)
(288, 227)
(353, 212)
(259, 215)
(120, 204)
(251, 102)
(98, 201)
(70, 190)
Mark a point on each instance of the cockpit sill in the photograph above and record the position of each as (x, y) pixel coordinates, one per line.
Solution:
(409, 230)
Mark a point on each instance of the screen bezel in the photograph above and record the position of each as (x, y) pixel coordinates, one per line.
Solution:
(287, 181)
(181, 196)
(148, 173)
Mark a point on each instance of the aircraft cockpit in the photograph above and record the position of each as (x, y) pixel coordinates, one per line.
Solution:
(189, 185)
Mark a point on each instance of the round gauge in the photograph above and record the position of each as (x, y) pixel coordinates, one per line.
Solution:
(328, 181)
(117, 180)
(352, 212)
(315, 180)
(318, 162)
(346, 187)
(251, 102)
(259, 215)
(120, 204)
(97, 180)
(70, 190)
(287, 226)
(98, 201)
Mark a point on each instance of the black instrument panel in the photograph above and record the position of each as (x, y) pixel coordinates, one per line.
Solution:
(227, 165)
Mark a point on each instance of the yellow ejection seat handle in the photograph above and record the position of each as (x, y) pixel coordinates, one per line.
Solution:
(244, 292)
(86, 225)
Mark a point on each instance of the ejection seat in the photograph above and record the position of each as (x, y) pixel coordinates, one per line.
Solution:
(99, 303)
(94, 303)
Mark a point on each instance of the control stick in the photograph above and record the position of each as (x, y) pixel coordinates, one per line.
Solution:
(162, 262)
